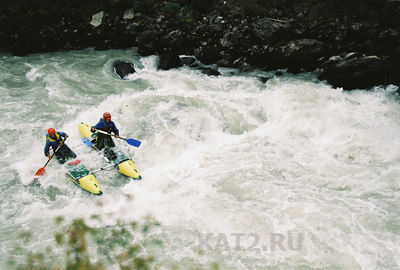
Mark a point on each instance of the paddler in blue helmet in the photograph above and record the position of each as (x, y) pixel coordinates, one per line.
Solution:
(54, 139)
(104, 140)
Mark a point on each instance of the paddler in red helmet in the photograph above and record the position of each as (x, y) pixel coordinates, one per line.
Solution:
(54, 139)
(103, 140)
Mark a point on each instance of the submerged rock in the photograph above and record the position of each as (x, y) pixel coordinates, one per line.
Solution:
(123, 69)
(188, 61)
(263, 79)
(168, 61)
(210, 71)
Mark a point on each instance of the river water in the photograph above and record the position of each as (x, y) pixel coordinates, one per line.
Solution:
(287, 174)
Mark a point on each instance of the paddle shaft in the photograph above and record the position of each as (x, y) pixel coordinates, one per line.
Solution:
(130, 141)
(106, 133)
(102, 169)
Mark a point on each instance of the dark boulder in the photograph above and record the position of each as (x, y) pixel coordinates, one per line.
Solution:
(242, 64)
(171, 41)
(209, 30)
(263, 56)
(168, 61)
(207, 54)
(267, 30)
(359, 71)
(123, 69)
(296, 55)
(230, 39)
(188, 61)
(302, 53)
(191, 62)
(270, 35)
(263, 79)
(210, 71)
(146, 40)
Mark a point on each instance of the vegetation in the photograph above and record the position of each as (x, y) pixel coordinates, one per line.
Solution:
(83, 247)
(114, 245)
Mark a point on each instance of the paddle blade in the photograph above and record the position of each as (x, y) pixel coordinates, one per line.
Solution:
(133, 142)
(87, 142)
(40, 172)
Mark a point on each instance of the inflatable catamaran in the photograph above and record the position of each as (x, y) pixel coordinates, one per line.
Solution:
(77, 172)
(81, 176)
(85, 179)
(124, 164)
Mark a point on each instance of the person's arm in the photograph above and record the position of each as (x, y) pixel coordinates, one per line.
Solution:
(63, 135)
(116, 131)
(97, 126)
(47, 149)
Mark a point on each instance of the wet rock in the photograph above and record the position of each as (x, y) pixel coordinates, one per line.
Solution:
(129, 14)
(146, 40)
(302, 53)
(169, 61)
(191, 62)
(210, 71)
(97, 19)
(268, 30)
(228, 40)
(123, 69)
(171, 7)
(207, 54)
(188, 61)
(171, 41)
(270, 35)
(224, 63)
(358, 71)
(263, 79)
(242, 64)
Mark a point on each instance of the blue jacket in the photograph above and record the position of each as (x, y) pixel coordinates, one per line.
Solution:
(107, 127)
(54, 143)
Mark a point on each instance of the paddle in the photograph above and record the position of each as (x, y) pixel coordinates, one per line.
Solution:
(42, 170)
(87, 142)
(130, 141)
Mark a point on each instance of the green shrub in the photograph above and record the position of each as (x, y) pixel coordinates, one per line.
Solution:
(89, 248)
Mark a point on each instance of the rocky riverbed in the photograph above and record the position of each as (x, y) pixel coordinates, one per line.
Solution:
(350, 44)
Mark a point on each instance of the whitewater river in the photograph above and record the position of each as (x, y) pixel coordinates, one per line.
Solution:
(287, 174)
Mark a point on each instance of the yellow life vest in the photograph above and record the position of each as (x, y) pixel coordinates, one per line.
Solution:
(53, 140)
(57, 139)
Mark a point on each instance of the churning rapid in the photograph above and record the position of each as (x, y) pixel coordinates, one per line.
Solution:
(286, 174)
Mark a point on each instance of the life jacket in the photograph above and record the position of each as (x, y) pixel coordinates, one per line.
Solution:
(108, 126)
(54, 141)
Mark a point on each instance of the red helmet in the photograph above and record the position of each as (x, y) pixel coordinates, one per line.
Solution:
(51, 131)
(106, 115)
